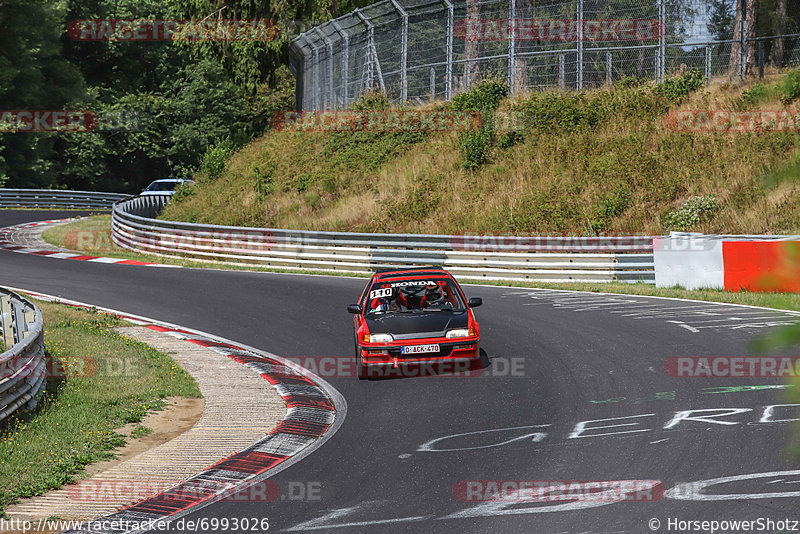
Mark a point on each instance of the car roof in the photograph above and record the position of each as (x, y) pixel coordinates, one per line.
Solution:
(399, 272)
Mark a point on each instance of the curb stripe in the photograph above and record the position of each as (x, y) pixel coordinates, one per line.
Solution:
(311, 415)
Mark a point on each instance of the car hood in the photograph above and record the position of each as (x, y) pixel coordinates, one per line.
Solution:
(418, 324)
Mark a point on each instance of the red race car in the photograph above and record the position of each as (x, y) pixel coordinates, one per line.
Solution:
(414, 317)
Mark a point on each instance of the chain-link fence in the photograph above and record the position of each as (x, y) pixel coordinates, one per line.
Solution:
(421, 50)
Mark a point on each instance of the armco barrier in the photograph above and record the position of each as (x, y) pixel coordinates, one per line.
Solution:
(554, 259)
(55, 198)
(22, 364)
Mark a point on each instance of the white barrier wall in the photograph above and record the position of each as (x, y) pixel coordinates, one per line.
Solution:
(691, 261)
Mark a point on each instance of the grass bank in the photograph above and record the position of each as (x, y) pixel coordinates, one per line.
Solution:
(101, 381)
(605, 161)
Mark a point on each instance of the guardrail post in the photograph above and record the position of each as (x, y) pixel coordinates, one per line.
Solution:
(7, 318)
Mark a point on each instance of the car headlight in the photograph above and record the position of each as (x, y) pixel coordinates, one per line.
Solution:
(380, 338)
(459, 332)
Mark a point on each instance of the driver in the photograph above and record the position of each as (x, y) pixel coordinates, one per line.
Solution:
(433, 296)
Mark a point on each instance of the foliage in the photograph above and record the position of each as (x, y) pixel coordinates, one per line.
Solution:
(694, 211)
(675, 89)
(215, 157)
(790, 89)
(371, 101)
(485, 97)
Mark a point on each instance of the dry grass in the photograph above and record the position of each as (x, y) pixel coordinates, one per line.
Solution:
(554, 181)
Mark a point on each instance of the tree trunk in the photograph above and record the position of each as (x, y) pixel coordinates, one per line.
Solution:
(779, 45)
(472, 47)
(750, 31)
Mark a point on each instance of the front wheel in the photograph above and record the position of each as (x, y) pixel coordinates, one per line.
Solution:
(363, 370)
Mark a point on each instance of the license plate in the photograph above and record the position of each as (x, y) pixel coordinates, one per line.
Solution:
(419, 349)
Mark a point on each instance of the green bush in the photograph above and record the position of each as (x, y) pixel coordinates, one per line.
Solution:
(559, 111)
(263, 179)
(475, 147)
(485, 95)
(510, 138)
(754, 95)
(370, 101)
(215, 158)
(678, 87)
(693, 212)
(790, 89)
(610, 206)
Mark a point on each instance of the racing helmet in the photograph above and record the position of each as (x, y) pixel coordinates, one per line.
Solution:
(433, 293)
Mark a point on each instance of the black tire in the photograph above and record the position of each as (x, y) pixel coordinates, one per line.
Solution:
(363, 370)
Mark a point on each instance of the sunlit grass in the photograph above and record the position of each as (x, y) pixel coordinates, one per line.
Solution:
(102, 381)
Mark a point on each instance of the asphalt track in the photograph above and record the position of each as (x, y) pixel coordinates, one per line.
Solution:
(575, 358)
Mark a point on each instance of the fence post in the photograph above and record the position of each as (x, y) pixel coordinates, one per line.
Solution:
(330, 98)
(608, 67)
(403, 51)
(761, 59)
(662, 42)
(579, 76)
(562, 71)
(743, 40)
(433, 83)
(708, 64)
(346, 61)
(448, 76)
(512, 62)
(316, 78)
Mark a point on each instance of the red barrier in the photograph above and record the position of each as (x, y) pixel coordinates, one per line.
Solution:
(762, 266)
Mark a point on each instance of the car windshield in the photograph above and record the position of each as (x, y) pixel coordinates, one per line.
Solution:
(162, 186)
(413, 296)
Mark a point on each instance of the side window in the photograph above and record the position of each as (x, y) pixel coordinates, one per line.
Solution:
(363, 299)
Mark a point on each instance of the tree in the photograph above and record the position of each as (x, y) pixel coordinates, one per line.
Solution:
(751, 8)
(721, 20)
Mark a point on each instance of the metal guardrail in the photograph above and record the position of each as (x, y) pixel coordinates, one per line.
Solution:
(514, 258)
(56, 198)
(22, 364)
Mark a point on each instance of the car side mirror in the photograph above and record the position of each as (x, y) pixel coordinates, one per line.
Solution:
(354, 308)
(474, 302)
